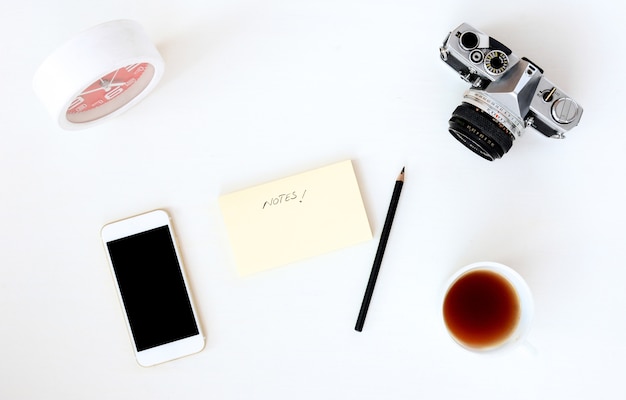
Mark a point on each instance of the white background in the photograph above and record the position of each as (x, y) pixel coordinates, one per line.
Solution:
(255, 91)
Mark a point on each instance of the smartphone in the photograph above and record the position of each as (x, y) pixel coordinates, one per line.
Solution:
(152, 288)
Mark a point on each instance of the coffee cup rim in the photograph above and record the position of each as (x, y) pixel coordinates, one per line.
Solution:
(522, 291)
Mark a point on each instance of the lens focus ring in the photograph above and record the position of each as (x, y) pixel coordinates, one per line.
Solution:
(479, 132)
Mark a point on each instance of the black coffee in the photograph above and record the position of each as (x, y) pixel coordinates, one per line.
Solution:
(481, 309)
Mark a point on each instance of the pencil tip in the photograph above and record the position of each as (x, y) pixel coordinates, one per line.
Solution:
(401, 176)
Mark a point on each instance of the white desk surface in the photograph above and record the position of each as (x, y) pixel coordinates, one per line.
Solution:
(260, 90)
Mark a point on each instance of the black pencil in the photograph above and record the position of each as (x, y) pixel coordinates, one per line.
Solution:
(369, 290)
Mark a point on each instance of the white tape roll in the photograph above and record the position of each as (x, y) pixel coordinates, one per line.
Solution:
(98, 74)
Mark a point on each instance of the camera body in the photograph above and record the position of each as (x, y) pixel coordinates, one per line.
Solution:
(508, 94)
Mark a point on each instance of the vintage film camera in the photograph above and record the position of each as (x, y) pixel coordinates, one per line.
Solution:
(507, 95)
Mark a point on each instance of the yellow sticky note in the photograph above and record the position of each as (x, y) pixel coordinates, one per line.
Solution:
(294, 218)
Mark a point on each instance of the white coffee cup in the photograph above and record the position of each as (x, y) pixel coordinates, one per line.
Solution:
(487, 306)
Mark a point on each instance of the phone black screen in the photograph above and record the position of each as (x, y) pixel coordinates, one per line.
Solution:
(153, 291)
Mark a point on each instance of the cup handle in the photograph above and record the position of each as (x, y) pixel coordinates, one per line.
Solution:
(528, 348)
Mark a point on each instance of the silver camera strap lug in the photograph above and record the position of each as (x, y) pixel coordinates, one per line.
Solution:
(529, 121)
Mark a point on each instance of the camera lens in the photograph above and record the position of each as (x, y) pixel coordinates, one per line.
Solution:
(479, 132)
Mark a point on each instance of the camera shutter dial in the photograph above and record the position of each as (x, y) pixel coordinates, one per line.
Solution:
(496, 62)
